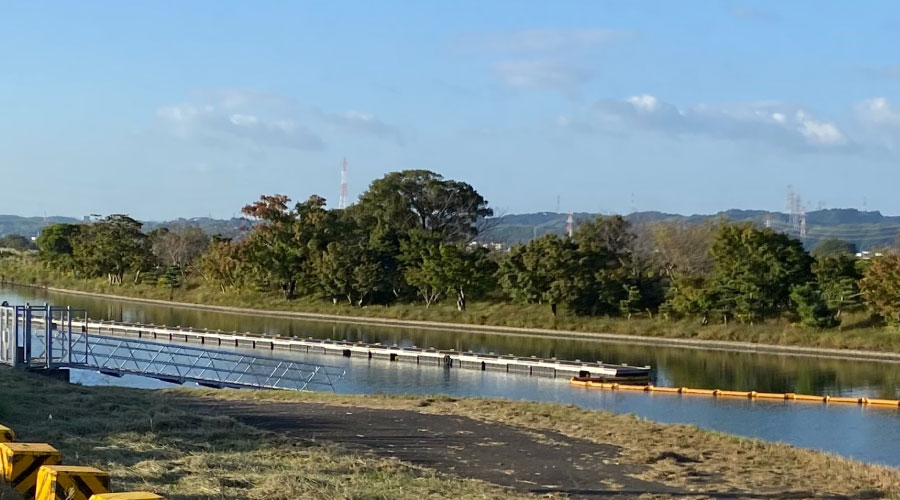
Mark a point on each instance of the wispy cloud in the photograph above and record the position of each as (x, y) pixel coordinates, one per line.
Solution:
(889, 72)
(541, 74)
(780, 124)
(544, 59)
(544, 40)
(751, 13)
(881, 120)
(265, 120)
(210, 124)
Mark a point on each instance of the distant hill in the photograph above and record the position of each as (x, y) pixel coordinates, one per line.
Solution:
(866, 230)
(31, 226)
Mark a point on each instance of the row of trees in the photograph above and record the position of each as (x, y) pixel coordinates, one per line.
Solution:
(410, 238)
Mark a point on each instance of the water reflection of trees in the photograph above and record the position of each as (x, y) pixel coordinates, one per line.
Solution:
(680, 367)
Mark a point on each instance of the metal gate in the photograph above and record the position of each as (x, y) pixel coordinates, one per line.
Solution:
(7, 336)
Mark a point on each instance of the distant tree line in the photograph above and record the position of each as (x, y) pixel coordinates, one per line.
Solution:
(410, 238)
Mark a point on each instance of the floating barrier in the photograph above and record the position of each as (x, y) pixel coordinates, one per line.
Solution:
(6, 434)
(70, 482)
(21, 461)
(720, 393)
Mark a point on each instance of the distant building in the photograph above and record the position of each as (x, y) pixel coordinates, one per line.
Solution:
(866, 255)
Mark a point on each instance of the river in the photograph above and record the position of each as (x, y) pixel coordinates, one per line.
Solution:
(869, 434)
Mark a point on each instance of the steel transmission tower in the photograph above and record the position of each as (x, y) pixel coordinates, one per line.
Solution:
(343, 203)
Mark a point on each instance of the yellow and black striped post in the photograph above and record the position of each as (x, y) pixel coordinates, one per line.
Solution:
(131, 495)
(6, 434)
(20, 463)
(70, 482)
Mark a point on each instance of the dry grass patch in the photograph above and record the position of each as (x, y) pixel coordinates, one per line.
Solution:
(678, 455)
(147, 442)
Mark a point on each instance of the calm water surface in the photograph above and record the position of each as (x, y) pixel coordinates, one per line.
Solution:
(870, 434)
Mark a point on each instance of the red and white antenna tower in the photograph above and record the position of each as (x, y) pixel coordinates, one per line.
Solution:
(343, 203)
(570, 224)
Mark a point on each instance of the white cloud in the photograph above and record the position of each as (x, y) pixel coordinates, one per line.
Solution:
(266, 120)
(541, 74)
(547, 58)
(880, 120)
(210, 124)
(784, 125)
(878, 111)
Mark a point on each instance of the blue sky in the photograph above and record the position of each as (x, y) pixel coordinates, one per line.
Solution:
(165, 109)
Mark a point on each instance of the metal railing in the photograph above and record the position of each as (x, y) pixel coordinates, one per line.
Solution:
(180, 364)
(43, 337)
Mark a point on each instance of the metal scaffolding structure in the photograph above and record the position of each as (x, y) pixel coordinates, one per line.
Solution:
(42, 337)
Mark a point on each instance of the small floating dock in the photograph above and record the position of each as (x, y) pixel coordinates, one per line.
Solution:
(532, 366)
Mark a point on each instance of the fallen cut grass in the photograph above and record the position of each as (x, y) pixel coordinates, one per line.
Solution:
(148, 443)
(858, 331)
(678, 455)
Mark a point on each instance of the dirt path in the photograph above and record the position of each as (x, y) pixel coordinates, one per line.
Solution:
(545, 462)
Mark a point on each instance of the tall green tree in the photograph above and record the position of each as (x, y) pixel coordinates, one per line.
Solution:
(755, 270)
(16, 242)
(833, 247)
(281, 247)
(881, 287)
(222, 264)
(838, 278)
(543, 270)
(421, 200)
(348, 270)
(436, 269)
(605, 266)
(113, 247)
(812, 308)
(56, 245)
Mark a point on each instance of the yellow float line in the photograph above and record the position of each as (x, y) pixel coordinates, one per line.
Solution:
(720, 393)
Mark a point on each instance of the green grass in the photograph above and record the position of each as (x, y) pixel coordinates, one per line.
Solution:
(858, 331)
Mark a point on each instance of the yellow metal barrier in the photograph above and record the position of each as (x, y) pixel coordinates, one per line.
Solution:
(70, 482)
(6, 434)
(131, 495)
(719, 393)
(20, 463)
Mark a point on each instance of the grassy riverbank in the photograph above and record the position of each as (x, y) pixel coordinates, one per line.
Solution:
(152, 440)
(858, 330)
(146, 441)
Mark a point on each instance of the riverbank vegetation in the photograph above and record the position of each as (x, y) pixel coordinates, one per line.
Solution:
(406, 250)
(157, 440)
